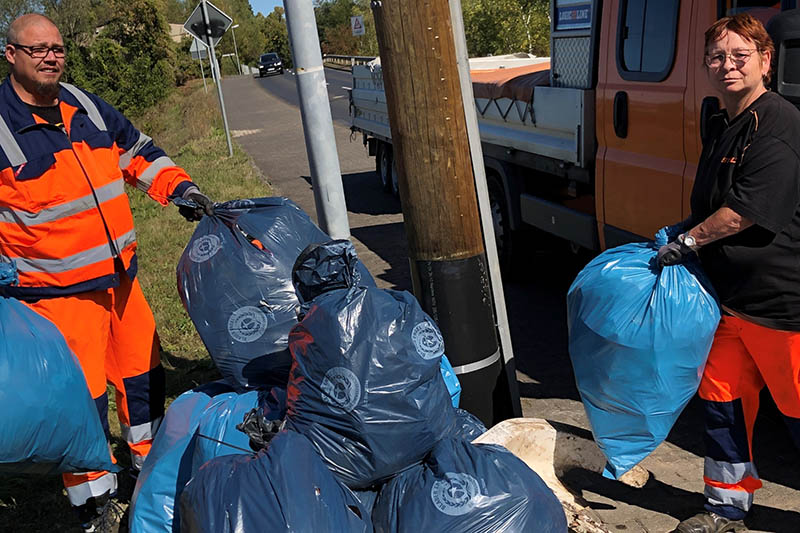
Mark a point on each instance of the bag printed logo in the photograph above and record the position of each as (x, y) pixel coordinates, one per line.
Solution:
(455, 494)
(240, 204)
(342, 388)
(204, 248)
(247, 324)
(427, 340)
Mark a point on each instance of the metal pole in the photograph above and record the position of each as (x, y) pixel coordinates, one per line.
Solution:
(315, 109)
(238, 65)
(202, 72)
(217, 75)
(484, 206)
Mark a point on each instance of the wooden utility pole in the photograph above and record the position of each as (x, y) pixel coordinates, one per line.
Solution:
(437, 188)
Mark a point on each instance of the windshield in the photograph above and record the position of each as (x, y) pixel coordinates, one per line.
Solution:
(269, 57)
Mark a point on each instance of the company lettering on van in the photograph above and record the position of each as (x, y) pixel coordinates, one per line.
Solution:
(574, 17)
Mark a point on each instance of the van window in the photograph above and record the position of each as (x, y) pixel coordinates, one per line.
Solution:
(763, 10)
(646, 38)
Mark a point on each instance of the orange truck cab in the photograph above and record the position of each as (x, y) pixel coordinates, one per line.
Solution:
(599, 143)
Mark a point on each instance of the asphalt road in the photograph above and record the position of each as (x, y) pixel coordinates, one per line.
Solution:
(285, 88)
(266, 122)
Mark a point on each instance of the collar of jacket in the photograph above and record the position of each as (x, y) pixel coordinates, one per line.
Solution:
(16, 112)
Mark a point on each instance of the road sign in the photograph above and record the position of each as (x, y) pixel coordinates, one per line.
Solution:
(357, 25)
(198, 49)
(217, 20)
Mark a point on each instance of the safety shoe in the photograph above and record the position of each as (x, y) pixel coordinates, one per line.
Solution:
(710, 523)
(100, 514)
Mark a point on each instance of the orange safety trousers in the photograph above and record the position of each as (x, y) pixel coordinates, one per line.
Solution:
(744, 357)
(113, 334)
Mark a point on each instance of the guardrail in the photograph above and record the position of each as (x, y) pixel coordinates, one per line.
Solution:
(346, 61)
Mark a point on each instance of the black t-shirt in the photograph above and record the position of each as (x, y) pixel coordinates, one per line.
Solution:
(51, 114)
(752, 165)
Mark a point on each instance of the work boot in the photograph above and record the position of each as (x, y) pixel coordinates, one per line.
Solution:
(100, 514)
(710, 523)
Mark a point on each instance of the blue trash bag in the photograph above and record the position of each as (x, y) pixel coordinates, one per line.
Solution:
(48, 420)
(468, 488)
(285, 487)
(365, 386)
(183, 444)
(235, 281)
(639, 338)
(467, 427)
(451, 381)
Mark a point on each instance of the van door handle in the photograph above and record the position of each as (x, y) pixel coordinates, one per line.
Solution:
(621, 114)
(708, 108)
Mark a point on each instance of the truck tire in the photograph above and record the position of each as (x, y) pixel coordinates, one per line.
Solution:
(394, 185)
(383, 165)
(501, 220)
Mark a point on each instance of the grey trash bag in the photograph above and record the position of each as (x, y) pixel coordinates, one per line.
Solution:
(365, 385)
(235, 281)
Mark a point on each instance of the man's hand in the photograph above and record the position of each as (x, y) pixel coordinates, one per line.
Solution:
(673, 253)
(204, 205)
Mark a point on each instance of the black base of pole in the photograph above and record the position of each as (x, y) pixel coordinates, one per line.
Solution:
(457, 295)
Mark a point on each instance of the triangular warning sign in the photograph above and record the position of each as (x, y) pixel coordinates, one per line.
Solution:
(357, 24)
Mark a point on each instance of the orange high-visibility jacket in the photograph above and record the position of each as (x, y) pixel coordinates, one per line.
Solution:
(64, 216)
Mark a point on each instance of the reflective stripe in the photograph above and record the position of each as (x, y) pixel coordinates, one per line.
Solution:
(478, 365)
(126, 158)
(10, 146)
(104, 193)
(137, 462)
(86, 102)
(81, 259)
(146, 431)
(145, 180)
(738, 498)
(78, 494)
(728, 473)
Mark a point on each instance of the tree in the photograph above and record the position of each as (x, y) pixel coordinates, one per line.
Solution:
(276, 36)
(495, 27)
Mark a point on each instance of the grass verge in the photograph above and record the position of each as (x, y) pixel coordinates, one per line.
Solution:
(188, 127)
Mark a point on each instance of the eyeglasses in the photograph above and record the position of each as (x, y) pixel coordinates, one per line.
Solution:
(739, 58)
(40, 52)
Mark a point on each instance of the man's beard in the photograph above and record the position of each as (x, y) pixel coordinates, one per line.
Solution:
(48, 89)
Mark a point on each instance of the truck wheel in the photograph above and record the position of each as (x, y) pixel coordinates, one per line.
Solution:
(501, 220)
(394, 185)
(383, 165)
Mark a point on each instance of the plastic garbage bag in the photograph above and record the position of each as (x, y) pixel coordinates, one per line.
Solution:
(639, 338)
(48, 420)
(365, 386)
(468, 488)
(183, 444)
(283, 488)
(467, 426)
(450, 380)
(235, 281)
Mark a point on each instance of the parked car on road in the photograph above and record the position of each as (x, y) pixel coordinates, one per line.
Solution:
(269, 64)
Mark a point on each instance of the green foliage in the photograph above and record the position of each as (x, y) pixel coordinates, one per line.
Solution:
(492, 27)
(130, 63)
(277, 36)
(495, 27)
(11, 9)
(336, 35)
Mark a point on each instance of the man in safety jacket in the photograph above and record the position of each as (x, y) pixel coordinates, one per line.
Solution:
(66, 222)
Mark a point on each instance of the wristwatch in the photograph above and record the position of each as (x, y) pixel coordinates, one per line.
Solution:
(688, 241)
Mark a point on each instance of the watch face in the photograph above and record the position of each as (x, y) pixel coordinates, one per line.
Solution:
(689, 241)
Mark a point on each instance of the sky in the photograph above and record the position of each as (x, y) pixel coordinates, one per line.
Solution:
(265, 6)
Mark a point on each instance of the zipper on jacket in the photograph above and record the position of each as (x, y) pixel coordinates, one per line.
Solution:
(111, 244)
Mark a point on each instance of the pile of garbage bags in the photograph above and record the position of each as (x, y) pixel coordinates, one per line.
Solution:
(235, 282)
(48, 422)
(639, 337)
(366, 408)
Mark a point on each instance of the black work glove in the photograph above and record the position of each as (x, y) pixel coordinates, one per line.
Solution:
(204, 205)
(673, 253)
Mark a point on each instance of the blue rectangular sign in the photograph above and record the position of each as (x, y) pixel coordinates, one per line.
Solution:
(574, 17)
